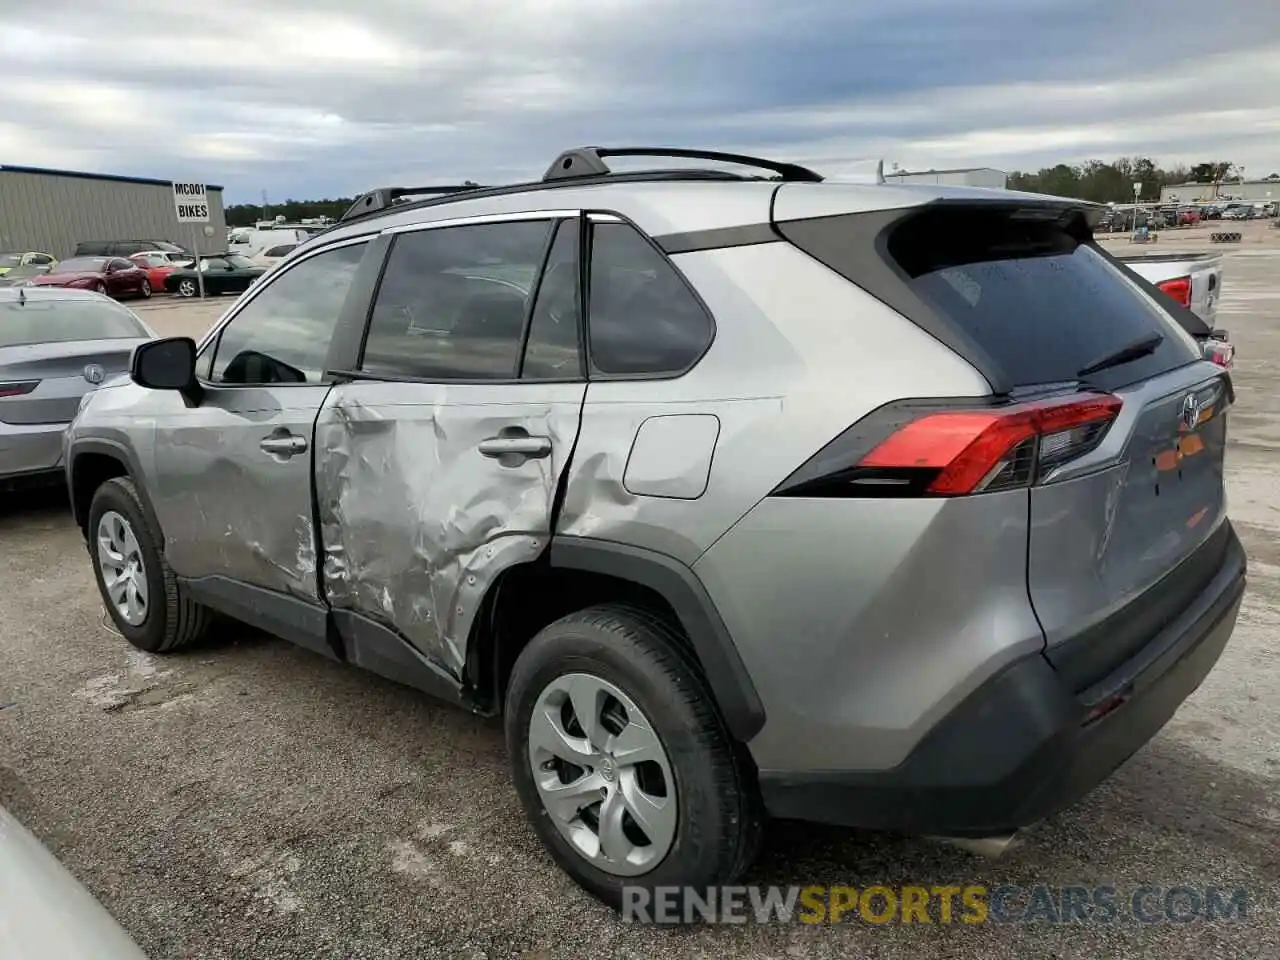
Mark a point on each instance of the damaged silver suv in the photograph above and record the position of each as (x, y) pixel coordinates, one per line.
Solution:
(739, 495)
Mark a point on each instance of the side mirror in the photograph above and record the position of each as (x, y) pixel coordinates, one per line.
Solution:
(168, 364)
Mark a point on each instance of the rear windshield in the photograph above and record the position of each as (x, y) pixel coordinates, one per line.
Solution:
(58, 321)
(1042, 304)
(81, 265)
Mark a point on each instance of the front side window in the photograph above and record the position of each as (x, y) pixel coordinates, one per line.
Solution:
(643, 318)
(282, 335)
(453, 301)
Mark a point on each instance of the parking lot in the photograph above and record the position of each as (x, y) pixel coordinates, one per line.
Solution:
(250, 800)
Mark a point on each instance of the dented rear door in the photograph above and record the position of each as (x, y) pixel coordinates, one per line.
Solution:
(439, 469)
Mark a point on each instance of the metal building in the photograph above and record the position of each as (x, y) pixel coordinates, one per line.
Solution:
(53, 210)
(1255, 190)
(963, 177)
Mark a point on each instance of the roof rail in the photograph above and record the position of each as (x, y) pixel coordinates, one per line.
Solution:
(383, 197)
(589, 162)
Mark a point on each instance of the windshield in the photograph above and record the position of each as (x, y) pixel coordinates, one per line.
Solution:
(59, 321)
(239, 262)
(81, 265)
(10, 259)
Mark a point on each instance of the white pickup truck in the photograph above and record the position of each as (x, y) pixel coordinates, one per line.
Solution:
(1193, 281)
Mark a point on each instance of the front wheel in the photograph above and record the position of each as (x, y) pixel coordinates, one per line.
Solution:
(142, 596)
(187, 288)
(622, 761)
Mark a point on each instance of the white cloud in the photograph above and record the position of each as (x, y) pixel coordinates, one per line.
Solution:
(324, 97)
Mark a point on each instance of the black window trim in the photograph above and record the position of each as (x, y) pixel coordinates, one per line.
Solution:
(595, 374)
(351, 372)
(213, 338)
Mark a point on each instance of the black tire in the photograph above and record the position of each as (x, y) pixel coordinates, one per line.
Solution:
(188, 288)
(144, 291)
(172, 620)
(718, 829)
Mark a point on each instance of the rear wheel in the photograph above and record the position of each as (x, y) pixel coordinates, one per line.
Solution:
(621, 760)
(142, 596)
(187, 288)
(144, 291)
(100, 287)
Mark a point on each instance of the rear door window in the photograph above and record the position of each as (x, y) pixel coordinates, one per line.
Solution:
(1041, 303)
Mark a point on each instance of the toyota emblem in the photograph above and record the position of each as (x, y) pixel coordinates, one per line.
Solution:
(95, 373)
(1190, 414)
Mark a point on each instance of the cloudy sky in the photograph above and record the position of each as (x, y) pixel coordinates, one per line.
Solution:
(311, 98)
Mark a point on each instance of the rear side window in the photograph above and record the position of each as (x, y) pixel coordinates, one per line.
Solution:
(1041, 303)
(280, 251)
(642, 316)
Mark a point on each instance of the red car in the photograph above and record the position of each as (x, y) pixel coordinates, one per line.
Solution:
(114, 276)
(158, 265)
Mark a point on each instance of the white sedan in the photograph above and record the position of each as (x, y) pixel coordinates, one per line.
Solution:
(269, 256)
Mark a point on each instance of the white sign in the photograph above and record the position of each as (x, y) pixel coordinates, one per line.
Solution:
(191, 201)
(1137, 189)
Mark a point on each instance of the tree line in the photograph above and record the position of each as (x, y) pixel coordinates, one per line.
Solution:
(1092, 180)
(1113, 182)
(247, 214)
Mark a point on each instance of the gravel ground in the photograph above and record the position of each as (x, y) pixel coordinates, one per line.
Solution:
(249, 800)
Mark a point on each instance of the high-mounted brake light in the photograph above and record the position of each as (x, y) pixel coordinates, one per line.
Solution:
(1179, 288)
(975, 451)
(17, 389)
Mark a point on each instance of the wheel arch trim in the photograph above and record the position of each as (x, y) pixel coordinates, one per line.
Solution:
(116, 451)
(730, 683)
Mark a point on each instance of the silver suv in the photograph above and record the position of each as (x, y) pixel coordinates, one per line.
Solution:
(738, 495)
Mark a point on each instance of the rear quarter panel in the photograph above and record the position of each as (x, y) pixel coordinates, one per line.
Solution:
(799, 355)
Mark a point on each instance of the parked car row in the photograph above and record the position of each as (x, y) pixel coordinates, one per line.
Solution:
(1167, 216)
(143, 273)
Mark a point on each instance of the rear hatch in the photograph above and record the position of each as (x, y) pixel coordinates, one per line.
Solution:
(1125, 512)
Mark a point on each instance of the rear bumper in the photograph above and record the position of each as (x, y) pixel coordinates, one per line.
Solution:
(1021, 747)
(30, 449)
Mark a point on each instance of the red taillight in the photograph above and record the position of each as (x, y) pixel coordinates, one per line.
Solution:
(986, 450)
(1179, 288)
(17, 389)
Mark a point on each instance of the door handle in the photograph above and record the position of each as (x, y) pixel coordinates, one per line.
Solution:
(519, 446)
(285, 446)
